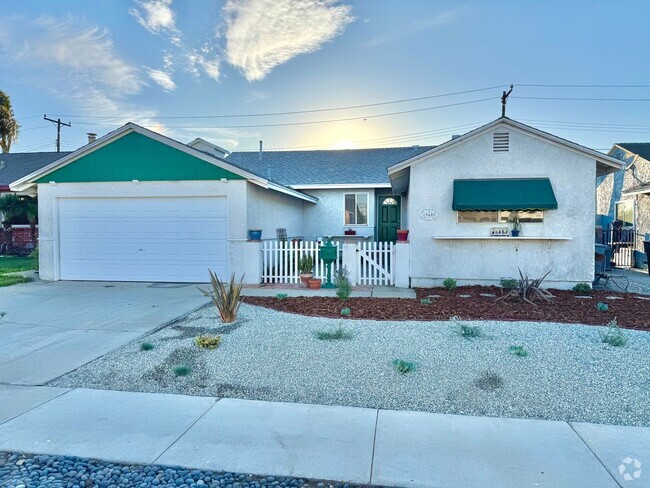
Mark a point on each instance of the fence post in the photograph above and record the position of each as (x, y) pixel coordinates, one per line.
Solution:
(253, 263)
(402, 264)
(350, 261)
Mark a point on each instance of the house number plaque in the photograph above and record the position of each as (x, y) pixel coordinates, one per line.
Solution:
(428, 214)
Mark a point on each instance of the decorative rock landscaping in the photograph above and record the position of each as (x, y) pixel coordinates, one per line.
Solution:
(33, 471)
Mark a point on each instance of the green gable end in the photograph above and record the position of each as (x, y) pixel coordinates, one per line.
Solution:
(137, 157)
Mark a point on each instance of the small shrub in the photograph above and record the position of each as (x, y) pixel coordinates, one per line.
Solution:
(508, 283)
(404, 366)
(489, 381)
(345, 312)
(226, 297)
(344, 287)
(281, 296)
(182, 370)
(337, 335)
(602, 307)
(306, 265)
(614, 335)
(146, 346)
(519, 351)
(582, 289)
(529, 290)
(208, 341)
(425, 301)
(450, 284)
(466, 331)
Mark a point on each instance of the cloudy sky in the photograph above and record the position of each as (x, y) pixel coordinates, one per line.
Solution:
(287, 71)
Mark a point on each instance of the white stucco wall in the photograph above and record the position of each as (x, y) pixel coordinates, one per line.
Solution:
(269, 210)
(48, 196)
(327, 217)
(487, 261)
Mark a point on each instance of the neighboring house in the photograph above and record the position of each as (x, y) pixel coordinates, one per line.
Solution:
(138, 206)
(624, 196)
(14, 166)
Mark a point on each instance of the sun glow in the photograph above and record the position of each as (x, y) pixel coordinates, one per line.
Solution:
(344, 145)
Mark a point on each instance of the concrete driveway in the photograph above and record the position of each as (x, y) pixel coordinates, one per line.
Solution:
(51, 328)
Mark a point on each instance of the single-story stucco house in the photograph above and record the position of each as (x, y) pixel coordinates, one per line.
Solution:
(624, 196)
(138, 206)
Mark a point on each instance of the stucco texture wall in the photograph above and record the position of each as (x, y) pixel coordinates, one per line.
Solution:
(327, 217)
(269, 210)
(486, 261)
(49, 194)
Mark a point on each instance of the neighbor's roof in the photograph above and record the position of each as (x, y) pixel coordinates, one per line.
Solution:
(14, 166)
(327, 167)
(639, 148)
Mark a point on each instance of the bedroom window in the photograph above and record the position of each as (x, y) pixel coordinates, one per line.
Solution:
(356, 209)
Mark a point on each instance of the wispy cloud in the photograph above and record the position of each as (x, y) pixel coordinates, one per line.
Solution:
(421, 24)
(263, 34)
(157, 16)
(203, 61)
(162, 78)
(74, 62)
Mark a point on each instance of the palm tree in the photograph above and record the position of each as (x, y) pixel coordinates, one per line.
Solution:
(11, 206)
(30, 210)
(9, 127)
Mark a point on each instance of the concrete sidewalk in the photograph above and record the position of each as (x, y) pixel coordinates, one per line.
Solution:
(350, 444)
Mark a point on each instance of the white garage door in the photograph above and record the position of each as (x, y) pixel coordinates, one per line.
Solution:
(142, 239)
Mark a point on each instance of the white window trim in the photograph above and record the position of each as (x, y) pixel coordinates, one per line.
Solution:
(367, 194)
(633, 202)
(498, 221)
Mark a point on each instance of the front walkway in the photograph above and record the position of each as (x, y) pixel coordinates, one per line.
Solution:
(350, 444)
(271, 290)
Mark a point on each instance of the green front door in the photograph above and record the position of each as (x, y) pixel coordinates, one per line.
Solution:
(388, 217)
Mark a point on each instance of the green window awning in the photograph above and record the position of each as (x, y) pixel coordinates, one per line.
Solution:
(504, 194)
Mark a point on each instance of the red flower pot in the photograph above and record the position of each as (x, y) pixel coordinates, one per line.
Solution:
(402, 235)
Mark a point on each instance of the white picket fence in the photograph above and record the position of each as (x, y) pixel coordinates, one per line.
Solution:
(280, 260)
(375, 263)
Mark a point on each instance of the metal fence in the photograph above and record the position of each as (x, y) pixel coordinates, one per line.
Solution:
(623, 242)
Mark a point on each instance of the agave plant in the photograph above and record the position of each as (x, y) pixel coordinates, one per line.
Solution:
(529, 290)
(225, 296)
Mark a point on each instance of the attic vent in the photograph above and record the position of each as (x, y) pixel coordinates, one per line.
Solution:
(501, 142)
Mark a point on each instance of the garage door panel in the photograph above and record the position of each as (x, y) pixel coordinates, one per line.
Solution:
(142, 239)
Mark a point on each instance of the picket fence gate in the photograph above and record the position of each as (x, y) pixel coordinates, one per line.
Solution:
(374, 261)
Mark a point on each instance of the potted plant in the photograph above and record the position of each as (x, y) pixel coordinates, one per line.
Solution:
(402, 235)
(314, 283)
(515, 225)
(350, 232)
(306, 269)
(255, 234)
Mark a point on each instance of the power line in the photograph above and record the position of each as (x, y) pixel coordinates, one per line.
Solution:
(587, 99)
(59, 124)
(578, 86)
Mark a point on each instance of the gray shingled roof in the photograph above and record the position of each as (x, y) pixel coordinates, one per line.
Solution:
(14, 166)
(640, 148)
(350, 166)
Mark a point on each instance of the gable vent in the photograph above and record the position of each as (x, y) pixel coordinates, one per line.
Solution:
(501, 142)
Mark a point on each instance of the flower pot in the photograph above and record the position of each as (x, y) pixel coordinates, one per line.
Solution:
(402, 235)
(350, 232)
(255, 234)
(305, 277)
(515, 233)
(314, 284)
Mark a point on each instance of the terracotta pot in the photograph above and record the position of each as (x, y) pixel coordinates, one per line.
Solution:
(402, 235)
(314, 284)
(304, 278)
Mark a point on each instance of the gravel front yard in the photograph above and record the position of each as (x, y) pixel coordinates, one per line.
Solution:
(568, 373)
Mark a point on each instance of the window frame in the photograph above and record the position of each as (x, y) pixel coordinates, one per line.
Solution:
(356, 194)
(498, 217)
(633, 204)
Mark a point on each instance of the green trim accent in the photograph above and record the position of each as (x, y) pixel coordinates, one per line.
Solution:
(137, 157)
(504, 194)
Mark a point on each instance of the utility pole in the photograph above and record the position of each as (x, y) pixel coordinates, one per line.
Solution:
(504, 100)
(58, 130)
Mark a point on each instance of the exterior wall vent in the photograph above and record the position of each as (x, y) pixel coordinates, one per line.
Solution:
(501, 142)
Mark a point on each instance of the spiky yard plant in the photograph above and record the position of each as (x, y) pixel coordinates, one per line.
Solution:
(182, 370)
(335, 335)
(404, 366)
(450, 284)
(529, 290)
(146, 346)
(467, 331)
(602, 307)
(519, 351)
(425, 301)
(225, 296)
(344, 287)
(614, 335)
(281, 296)
(207, 341)
(345, 312)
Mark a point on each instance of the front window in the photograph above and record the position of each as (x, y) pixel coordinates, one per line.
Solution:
(356, 209)
(501, 216)
(470, 216)
(524, 216)
(625, 213)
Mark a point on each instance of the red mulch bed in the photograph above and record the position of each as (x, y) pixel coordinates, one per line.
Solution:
(631, 312)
